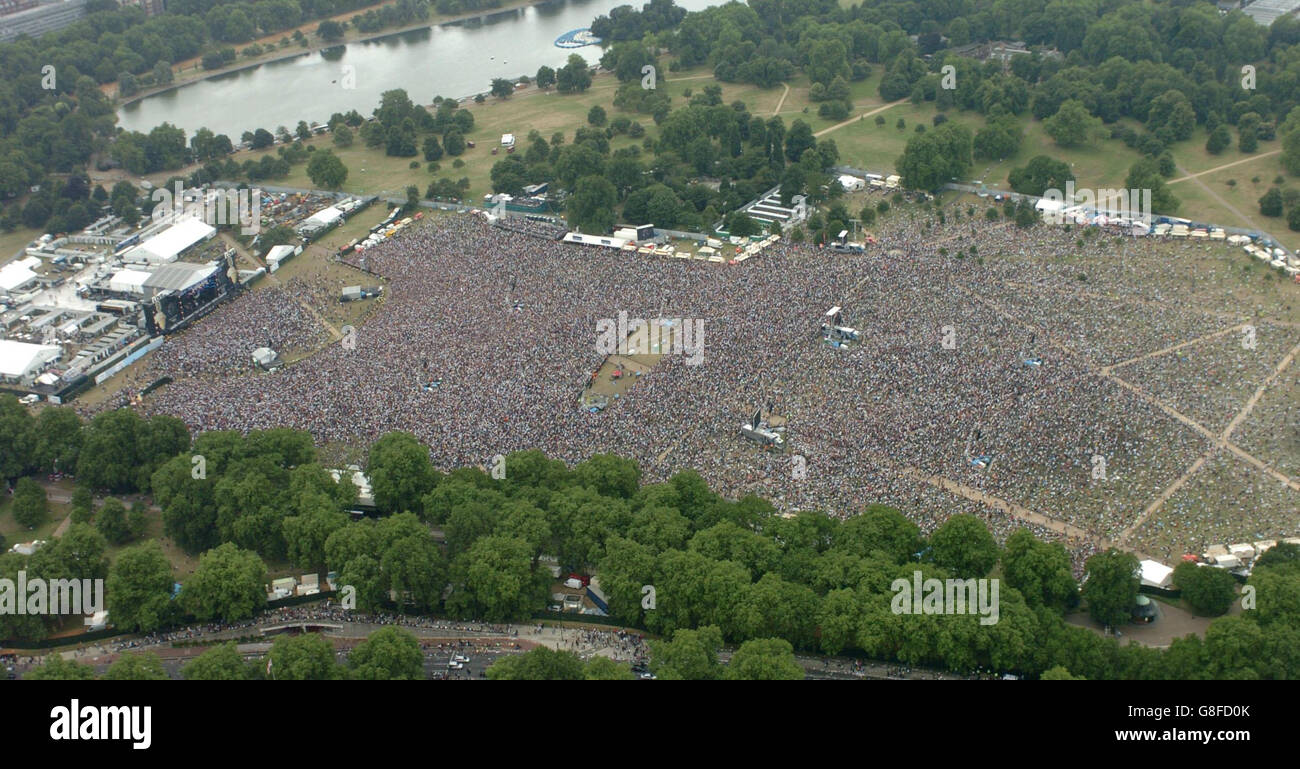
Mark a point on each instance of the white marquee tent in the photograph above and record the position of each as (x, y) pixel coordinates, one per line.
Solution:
(19, 359)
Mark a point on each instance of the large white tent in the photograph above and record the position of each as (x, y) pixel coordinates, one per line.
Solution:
(1155, 574)
(18, 273)
(321, 218)
(168, 244)
(19, 359)
(129, 281)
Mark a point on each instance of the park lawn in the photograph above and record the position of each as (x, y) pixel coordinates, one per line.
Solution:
(760, 101)
(864, 96)
(13, 532)
(11, 243)
(183, 564)
(1193, 158)
(1197, 203)
(863, 144)
(371, 172)
(1103, 164)
(1249, 167)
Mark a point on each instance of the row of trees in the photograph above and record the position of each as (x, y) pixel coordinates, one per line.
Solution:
(659, 180)
(1164, 76)
(816, 582)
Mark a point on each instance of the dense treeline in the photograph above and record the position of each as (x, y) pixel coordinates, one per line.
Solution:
(54, 118)
(660, 181)
(815, 582)
(1168, 66)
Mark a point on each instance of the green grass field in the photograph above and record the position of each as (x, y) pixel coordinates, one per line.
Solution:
(13, 242)
(1103, 163)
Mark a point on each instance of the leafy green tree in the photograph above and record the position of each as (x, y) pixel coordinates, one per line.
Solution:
(1042, 173)
(142, 666)
(330, 30)
(342, 136)
(964, 545)
(545, 77)
(1111, 586)
(1145, 174)
(539, 664)
(1248, 132)
(1234, 649)
(189, 504)
(1059, 673)
(764, 659)
(55, 668)
(741, 225)
(879, 528)
(1171, 117)
(108, 456)
(31, 507)
(1040, 571)
(610, 475)
(16, 437)
(1271, 203)
(228, 584)
(1208, 591)
(454, 142)
(606, 669)
(502, 88)
(1072, 124)
(415, 569)
(83, 505)
(218, 663)
(1219, 140)
(1026, 215)
(326, 170)
(401, 473)
(80, 553)
(57, 439)
(111, 521)
(999, 138)
(495, 581)
(627, 566)
(139, 589)
(596, 115)
(432, 149)
(589, 209)
(388, 654)
(775, 607)
(1283, 555)
(573, 77)
(838, 618)
(729, 541)
(691, 655)
(933, 158)
(25, 627)
(307, 533)
(307, 657)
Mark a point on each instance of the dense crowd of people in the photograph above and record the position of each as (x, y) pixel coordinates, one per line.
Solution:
(223, 343)
(982, 367)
